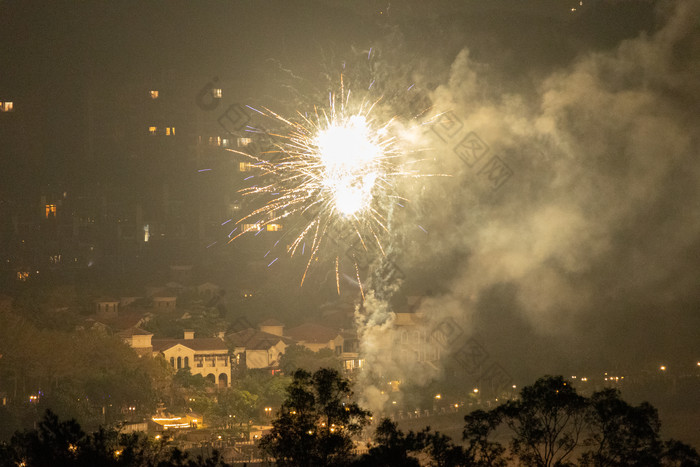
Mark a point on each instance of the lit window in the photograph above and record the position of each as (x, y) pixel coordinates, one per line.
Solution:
(225, 142)
(154, 94)
(251, 227)
(152, 130)
(50, 210)
(6, 106)
(242, 142)
(170, 131)
(245, 166)
(22, 276)
(215, 140)
(146, 233)
(274, 227)
(216, 93)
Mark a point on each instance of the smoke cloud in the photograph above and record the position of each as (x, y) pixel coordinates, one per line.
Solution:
(572, 233)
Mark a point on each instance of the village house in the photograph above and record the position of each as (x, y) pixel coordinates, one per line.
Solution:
(316, 337)
(138, 339)
(206, 356)
(258, 349)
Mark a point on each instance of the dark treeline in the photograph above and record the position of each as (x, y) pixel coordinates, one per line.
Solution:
(56, 443)
(550, 424)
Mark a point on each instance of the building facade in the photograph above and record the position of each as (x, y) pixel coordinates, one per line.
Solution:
(206, 356)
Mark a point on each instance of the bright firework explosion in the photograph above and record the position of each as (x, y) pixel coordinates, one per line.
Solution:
(336, 168)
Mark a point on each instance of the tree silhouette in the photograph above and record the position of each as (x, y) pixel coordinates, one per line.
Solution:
(551, 423)
(678, 454)
(316, 422)
(391, 448)
(480, 450)
(58, 443)
(621, 434)
(547, 421)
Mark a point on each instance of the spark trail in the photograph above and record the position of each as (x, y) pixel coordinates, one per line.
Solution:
(337, 168)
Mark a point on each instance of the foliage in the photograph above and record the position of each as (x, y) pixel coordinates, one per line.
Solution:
(620, 433)
(58, 443)
(547, 421)
(270, 389)
(184, 379)
(316, 421)
(87, 375)
(391, 447)
(235, 406)
(550, 422)
(442, 451)
(678, 454)
(480, 450)
(204, 321)
(394, 448)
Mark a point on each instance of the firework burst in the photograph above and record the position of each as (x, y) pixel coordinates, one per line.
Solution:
(337, 168)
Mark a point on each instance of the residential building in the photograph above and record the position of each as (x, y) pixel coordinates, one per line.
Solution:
(107, 308)
(255, 348)
(272, 326)
(206, 356)
(411, 340)
(316, 337)
(139, 340)
(350, 356)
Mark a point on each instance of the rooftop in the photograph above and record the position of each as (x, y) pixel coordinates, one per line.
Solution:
(271, 322)
(252, 339)
(198, 344)
(134, 331)
(312, 333)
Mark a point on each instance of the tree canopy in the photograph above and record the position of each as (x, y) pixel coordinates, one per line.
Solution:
(550, 424)
(56, 443)
(316, 422)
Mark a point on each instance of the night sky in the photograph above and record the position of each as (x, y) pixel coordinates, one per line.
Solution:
(588, 255)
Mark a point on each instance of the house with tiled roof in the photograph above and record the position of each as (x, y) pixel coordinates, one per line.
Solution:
(107, 308)
(164, 302)
(138, 339)
(316, 337)
(414, 341)
(255, 348)
(272, 326)
(206, 356)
